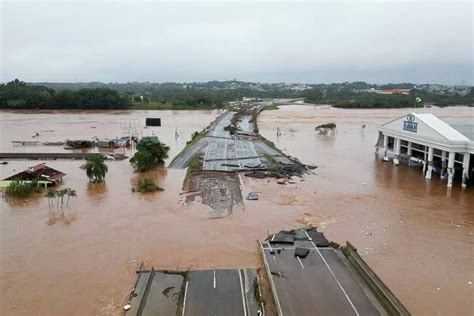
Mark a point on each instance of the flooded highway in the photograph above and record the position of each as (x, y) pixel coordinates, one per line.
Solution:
(415, 233)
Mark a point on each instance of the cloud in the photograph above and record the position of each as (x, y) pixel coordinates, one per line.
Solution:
(266, 41)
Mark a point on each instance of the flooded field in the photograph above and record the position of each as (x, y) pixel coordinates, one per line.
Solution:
(415, 233)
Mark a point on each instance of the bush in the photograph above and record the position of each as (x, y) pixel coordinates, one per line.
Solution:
(21, 189)
(147, 185)
(150, 154)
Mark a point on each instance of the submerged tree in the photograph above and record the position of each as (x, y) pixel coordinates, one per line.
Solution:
(147, 185)
(324, 129)
(70, 192)
(96, 169)
(59, 195)
(50, 195)
(150, 154)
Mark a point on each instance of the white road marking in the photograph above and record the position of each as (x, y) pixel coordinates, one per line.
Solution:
(184, 300)
(237, 154)
(253, 147)
(207, 150)
(225, 154)
(214, 278)
(299, 260)
(242, 291)
(333, 275)
(271, 250)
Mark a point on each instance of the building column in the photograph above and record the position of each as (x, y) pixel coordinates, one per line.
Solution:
(430, 162)
(443, 164)
(450, 168)
(385, 146)
(397, 151)
(409, 152)
(465, 169)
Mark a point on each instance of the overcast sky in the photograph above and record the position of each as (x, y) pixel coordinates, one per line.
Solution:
(314, 42)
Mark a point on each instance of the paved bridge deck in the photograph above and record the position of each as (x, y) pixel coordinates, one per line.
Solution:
(321, 283)
(201, 292)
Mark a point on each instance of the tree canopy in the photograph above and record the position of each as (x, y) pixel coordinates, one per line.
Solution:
(19, 95)
(150, 154)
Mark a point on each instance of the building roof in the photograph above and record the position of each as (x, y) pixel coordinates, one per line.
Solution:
(465, 128)
(441, 127)
(40, 170)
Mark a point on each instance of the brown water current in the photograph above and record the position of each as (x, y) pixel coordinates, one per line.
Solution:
(415, 233)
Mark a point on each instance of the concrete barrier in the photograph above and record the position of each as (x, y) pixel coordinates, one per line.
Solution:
(388, 300)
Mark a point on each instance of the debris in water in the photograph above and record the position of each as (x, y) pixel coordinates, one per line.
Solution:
(127, 307)
(252, 196)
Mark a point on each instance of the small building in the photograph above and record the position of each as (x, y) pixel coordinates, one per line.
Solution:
(427, 141)
(40, 172)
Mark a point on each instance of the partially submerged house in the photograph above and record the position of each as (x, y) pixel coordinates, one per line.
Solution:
(424, 139)
(41, 173)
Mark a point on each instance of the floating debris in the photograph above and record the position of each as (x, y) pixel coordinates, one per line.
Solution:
(252, 196)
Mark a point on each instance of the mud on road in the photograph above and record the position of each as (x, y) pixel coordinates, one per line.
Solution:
(229, 146)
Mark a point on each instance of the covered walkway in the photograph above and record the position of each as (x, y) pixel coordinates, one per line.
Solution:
(424, 139)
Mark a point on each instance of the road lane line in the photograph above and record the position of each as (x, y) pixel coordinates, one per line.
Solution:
(253, 147)
(242, 291)
(237, 153)
(205, 155)
(271, 251)
(333, 275)
(299, 260)
(225, 154)
(214, 278)
(184, 300)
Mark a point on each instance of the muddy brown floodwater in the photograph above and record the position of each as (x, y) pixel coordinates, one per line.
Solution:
(415, 233)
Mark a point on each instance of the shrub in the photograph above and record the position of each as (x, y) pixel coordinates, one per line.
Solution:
(147, 185)
(21, 189)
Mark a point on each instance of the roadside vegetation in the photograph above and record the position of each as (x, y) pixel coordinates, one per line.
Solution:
(195, 164)
(21, 189)
(96, 169)
(147, 185)
(151, 153)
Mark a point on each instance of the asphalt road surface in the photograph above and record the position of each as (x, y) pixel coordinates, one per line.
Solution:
(199, 293)
(215, 292)
(319, 284)
(225, 152)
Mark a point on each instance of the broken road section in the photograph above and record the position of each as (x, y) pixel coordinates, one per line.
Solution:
(231, 144)
(311, 276)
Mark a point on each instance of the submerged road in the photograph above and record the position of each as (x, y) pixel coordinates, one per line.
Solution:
(224, 151)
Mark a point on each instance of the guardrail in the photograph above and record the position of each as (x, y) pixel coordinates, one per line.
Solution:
(388, 300)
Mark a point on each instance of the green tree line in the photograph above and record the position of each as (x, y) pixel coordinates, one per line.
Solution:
(19, 95)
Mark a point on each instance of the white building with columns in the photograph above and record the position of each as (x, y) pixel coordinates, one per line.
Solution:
(427, 141)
